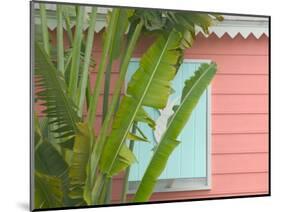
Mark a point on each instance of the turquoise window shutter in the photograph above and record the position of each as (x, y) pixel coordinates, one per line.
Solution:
(189, 158)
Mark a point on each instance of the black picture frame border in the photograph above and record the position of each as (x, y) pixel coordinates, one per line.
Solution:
(31, 102)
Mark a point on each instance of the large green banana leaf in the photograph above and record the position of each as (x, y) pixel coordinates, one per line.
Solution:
(149, 86)
(153, 19)
(187, 22)
(124, 159)
(48, 161)
(48, 191)
(81, 151)
(194, 87)
(51, 173)
(60, 108)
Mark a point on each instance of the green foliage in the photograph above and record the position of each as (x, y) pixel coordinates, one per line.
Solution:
(81, 151)
(152, 19)
(194, 88)
(81, 174)
(124, 159)
(149, 86)
(134, 137)
(101, 138)
(121, 27)
(186, 22)
(59, 106)
(115, 52)
(102, 66)
(51, 176)
(48, 191)
(60, 52)
(49, 161)
(85, 71)
(75, 60)
(142, 116)
(44, 28)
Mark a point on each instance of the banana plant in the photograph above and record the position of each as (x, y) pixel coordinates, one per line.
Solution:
(74, 164)
(192, 91)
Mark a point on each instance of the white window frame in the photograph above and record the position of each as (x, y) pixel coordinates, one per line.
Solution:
(187, 184)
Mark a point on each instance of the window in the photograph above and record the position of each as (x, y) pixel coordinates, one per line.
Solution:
(188, 168)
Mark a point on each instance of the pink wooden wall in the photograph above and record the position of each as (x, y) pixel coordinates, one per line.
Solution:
(239, 115)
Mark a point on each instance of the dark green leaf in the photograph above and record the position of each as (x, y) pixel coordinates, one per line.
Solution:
(59, 107)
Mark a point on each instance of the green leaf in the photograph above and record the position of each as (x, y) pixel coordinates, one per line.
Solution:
(218, 16)
(60, 107)
(48, 191)
(142, 116)
(194, 88)
(186, 21)
(134, 137)
(37, 131)
(127, 171)
(200, 19)
(149, 86)
(153, 19)
(80, 157)
(124, 159)
(49, 161)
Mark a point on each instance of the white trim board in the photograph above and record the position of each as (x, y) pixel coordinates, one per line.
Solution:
(232, 25)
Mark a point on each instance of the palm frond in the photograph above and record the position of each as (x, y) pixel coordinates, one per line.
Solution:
(59, 107)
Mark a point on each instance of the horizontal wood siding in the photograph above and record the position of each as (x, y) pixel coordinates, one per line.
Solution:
(239, 114)
(227, 184)
(239, 117)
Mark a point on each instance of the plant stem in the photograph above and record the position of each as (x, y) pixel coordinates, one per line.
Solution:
(44, 28)
(68, 29)
(97, 189)
(88, 92)
(60, 54)
(106, 88)
(74, 70)
(98, 148)
(127, 172)
(103, 198)
(105, 108)
(106, 48)
(46, 44)
(87, 57)
(94, 97)
(108, 191)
